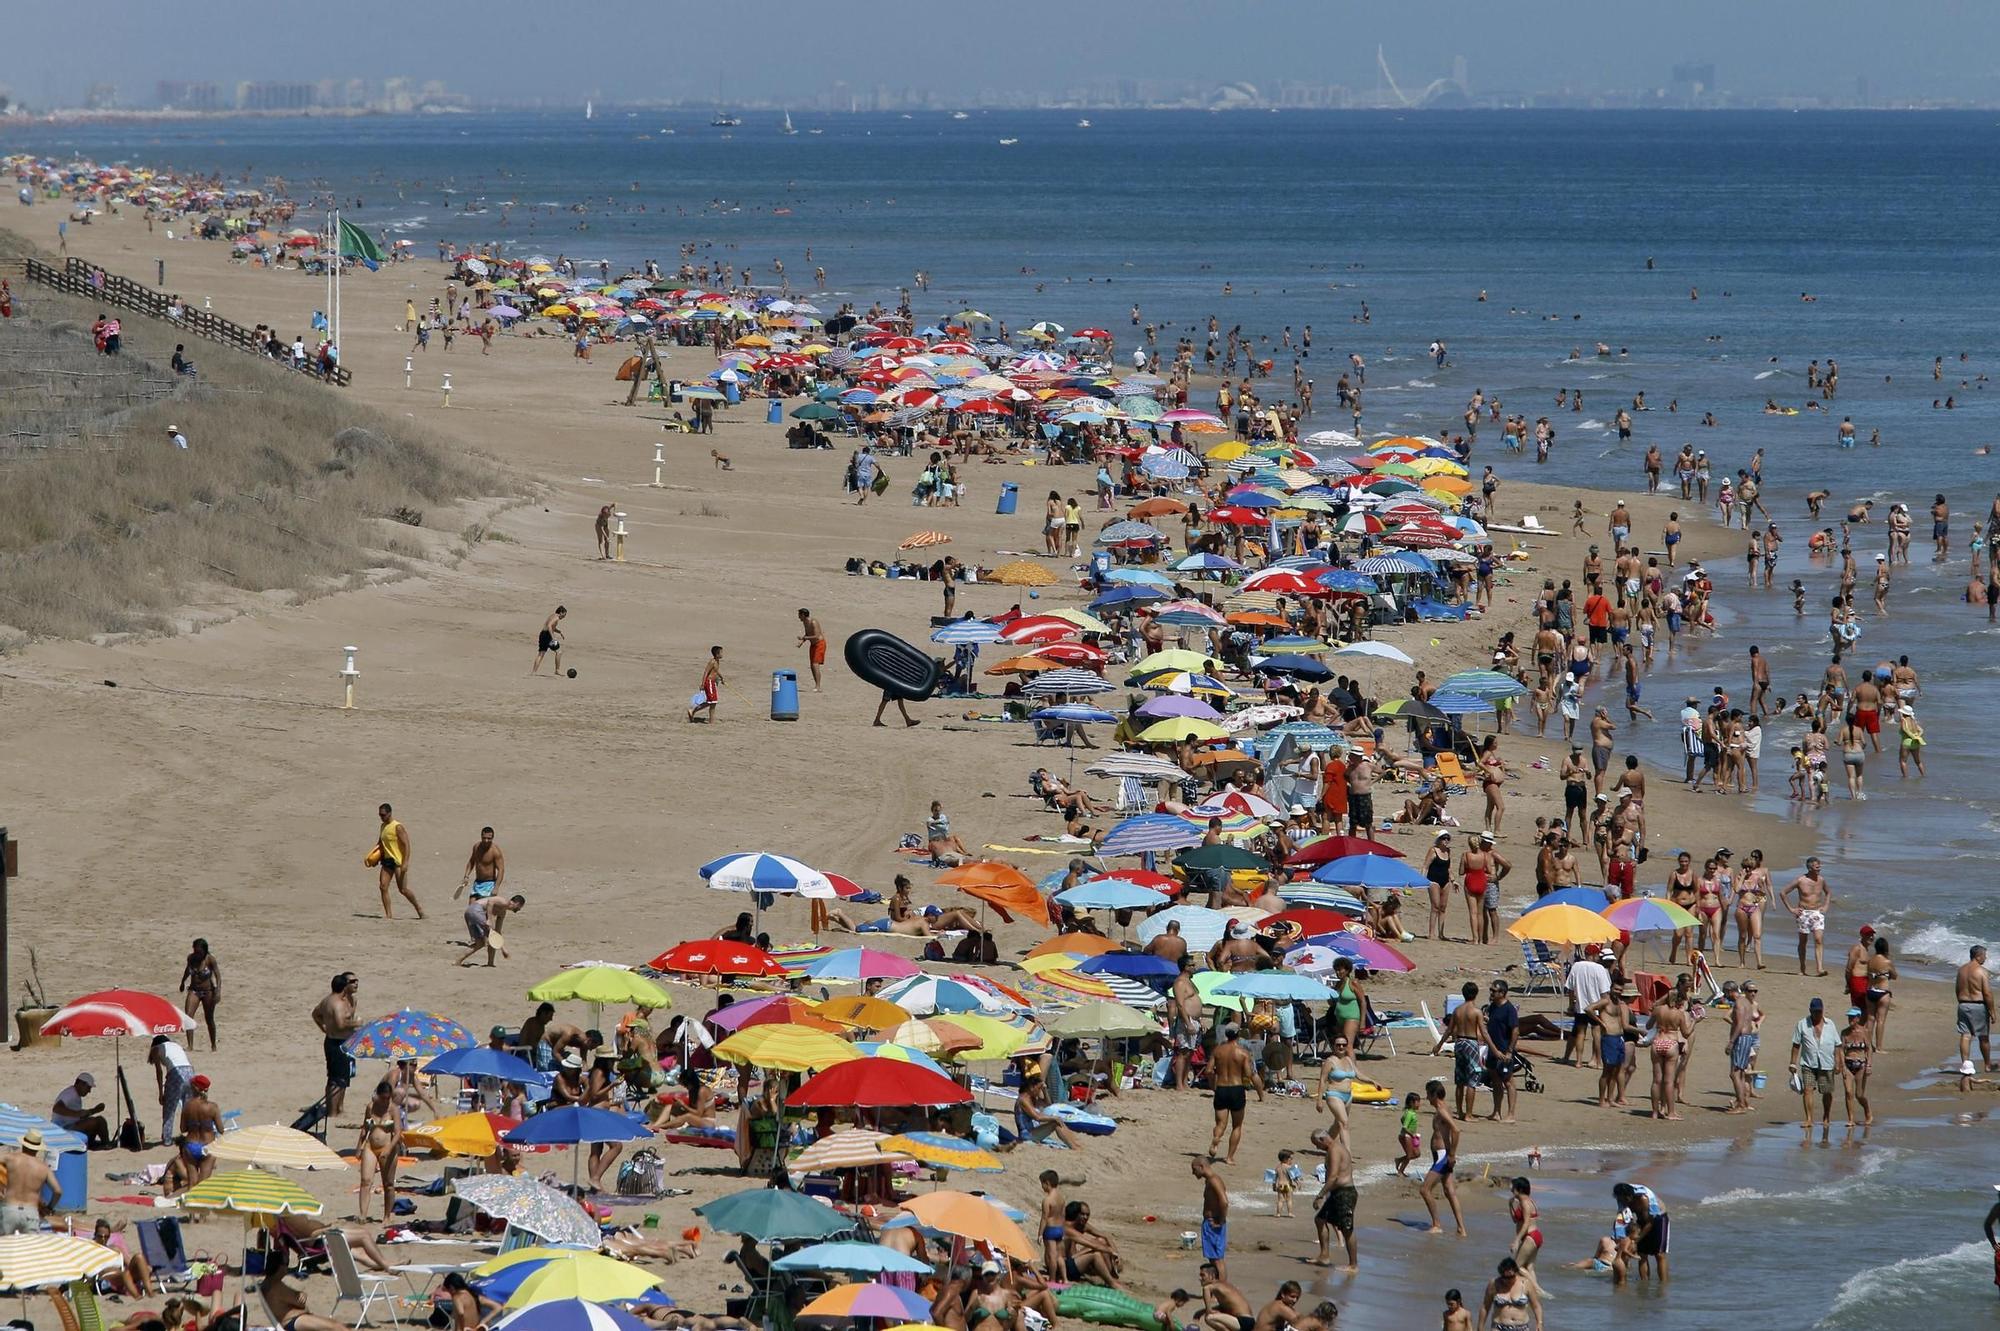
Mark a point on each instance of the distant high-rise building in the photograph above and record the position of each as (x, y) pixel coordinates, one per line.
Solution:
(176, 95)
(276, 96)
(100, 96)
(1694, 80)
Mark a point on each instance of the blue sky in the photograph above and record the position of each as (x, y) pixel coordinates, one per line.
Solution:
(647, 48)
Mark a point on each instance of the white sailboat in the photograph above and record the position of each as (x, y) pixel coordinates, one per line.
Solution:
(589, 112)
(787, 127)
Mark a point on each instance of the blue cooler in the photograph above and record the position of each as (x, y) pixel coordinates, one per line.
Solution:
(776, 414)
(1010, 495)
(784, 699)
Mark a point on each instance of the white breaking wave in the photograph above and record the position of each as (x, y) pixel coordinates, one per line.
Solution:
(1871, 1164)
(1886, 1286)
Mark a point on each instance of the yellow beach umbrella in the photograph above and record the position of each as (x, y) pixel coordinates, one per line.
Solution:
(557, 311)
(1176, 729)
(997, 1039)
(786, 1048)
(1229, 452)
(572, 1274)
(1083, 619)
(1173, 658)
(274, 1146)
(601, 984)
(251, 1192)
(862, 1011)
(1564, 925)
(754, 342)
(1080, 945)
(470, 1135)
(39, 1261)
(1020, 665)
(1023, 573)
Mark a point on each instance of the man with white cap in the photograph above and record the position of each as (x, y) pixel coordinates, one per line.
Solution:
(28, 1172)
(71, 1112)
(176, 438)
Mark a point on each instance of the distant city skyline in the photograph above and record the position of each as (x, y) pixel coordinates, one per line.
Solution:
(904, 53)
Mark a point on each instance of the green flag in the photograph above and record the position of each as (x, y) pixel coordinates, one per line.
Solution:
(358, 244)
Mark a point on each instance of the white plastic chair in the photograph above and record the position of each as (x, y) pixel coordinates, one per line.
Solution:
(350, 1282)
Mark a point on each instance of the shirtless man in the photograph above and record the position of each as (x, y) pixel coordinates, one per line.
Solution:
(1815, 899)
(1169, 945)
(485, 871)
(1444, 1154)
(1360, 794)
(1232, 1073)
(1745, 1017)
(1613, 1014)
(1333, 1208)
(490, 936)
(1214, 1216)
(814, 641)
(1868, 708)
(1184, 1028)
(1465, 1032)
(1975, 1011)
(28, 1172)
(1223, 1306)
(1760, 683)
(549, 640)
(335, 1016)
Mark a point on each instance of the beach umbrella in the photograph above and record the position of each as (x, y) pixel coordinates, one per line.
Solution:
(786, 1048)
(847, 1148)
(1201, 927)
(570, 1315)
(1181, 681)
(40, 1261)
(979, 1219)
(1169, 705)
(1647, 915)
(1589, 897)
(474, 1135)
(1364, 950)
(922, 540)
(1033, 630)
(17, 1123)
(577, 1125)
(1459, 704)
(556, 1275)
(408, 1033)
(274, 1147)
(1564, 925)
(1330, 848)
(761, 873)
(869, 1300)
(1369, 871)
(1322, 896)
(1075, 714)
(1001, 886)
(251, 1192)
(874, 1083)
(1109, 896)
(1149, 832)
(481, 1061)
(1206, 563)
(772, 1010)
(1299, 667)
(1068, 681)
(1220, 856)
(1140, 766)
(863, 1258)
(936, 1035)
(1278, 986)
(1022, 573)
(862, 1011)
(1407, 709)
(861, 963)
(967, 630)
(118, 1013)
(1128, 965)
(1182, 729)
(921, 995)
(1488, 685)
(1208, 983)
(598, 985)
(1103, 1020)
(899, 1053)
(713, 956)
(1310, 919)
(1171, 658)
(771, 1215)
(532, 1207)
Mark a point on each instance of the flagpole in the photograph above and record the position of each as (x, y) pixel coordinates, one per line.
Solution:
(333, 232)
(334, 329)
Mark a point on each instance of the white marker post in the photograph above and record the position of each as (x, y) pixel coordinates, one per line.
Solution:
(659, 466)
(204, 300)
(348, 675)
(620, 534)
(409, 370)
(447, 388)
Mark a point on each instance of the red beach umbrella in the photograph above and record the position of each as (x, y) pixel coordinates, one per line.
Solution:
(877, 1083)
(713, 956)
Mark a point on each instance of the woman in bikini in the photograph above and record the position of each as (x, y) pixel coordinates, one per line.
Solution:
(1682, 891)
(1527, 1227)
(1670, 1024)
(1856, 1052)
(381, 1141)
(1709, 914)
(1511, 1303)
(1492, 775)
(696, 1110)
(1881, 970)
(202, 979)
(1752, 893)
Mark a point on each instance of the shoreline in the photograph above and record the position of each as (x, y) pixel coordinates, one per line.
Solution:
(522, 405)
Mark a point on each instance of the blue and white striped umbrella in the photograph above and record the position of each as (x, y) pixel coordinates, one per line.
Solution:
(922, 995)
(1125, 594)
(1076, 714)
(1150, 832)
(1163, 467)
(1142, 576)
(1068, 682)
(1110, 894)
(900, 1053)
(1459, 704)
(1129, 530)
(1201, 928)
(1323, 895)
(1280, 986)
(755, 871)
(967, 630)
(1206, 563)
(1190, 619)
(1392, 564)
(1483, 684)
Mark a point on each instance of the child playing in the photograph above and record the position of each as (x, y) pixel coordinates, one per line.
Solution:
(1799, 773)
(1284, 1180)
(1576, 518)
(1407, 1139)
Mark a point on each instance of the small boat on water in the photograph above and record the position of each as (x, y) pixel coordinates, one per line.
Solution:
(1008, 143)
(723, 120)
(786, 128)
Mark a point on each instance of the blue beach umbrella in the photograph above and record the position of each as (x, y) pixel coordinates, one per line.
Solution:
(1592, 899)
(574, 1125)
(1459, 704)
(1140, 576)
(967, 630)
(1131, 965)
(1149, 832)
(560, 1314)
(1368, 871)
(1110, 895)
(862, 1258)
(1301, 667)
(481, 1061)
(1280, 986)
(1323, 895)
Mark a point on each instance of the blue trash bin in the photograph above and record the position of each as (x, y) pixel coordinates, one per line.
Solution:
(730, 394)
(784, 695)
(776, 413)
(1010, 495)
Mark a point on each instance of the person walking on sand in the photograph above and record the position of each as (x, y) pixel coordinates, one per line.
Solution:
(1815, 1058)
(201, 977)
(1445, 1138)
(1233, 1074)
(1613, 1016)
(1975, 1012)
(814, 641)
(485, 871)
(495, 912)
(1214, 1216)
(709, 695)
(901, 706)
(392, 865)
(1745, 1019)
(1815, 899)
(549, 641)
(604, 532)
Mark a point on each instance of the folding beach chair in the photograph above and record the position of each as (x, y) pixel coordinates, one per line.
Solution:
(161, 1244)
(1545, 973)
(351, 1284)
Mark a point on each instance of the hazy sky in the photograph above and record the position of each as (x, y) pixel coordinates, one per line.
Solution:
(668, 48)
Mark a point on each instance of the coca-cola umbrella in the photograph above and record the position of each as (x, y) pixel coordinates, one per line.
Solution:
(119, 1013)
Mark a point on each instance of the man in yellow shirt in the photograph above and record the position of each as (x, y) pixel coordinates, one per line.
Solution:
(393, 866)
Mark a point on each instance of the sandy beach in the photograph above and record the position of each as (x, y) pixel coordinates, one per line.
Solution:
(209, 783)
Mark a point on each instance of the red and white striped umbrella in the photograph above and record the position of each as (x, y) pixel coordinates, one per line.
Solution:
(118, 1012)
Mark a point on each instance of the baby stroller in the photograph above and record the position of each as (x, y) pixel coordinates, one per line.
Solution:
(1524, 1074)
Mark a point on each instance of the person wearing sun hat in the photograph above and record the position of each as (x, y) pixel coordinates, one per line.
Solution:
(28, 1173)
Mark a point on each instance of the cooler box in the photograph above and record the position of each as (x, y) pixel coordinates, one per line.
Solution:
(784, 695)
(1010, 495)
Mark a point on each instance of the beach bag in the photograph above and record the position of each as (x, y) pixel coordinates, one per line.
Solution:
(642, 1175)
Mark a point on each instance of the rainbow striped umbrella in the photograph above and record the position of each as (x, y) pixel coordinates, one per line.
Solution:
(408, 1033)
(1648, 915)
(851, 1148)
(868, 1301)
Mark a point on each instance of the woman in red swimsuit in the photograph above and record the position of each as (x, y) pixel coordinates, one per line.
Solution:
(1527, 1229)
